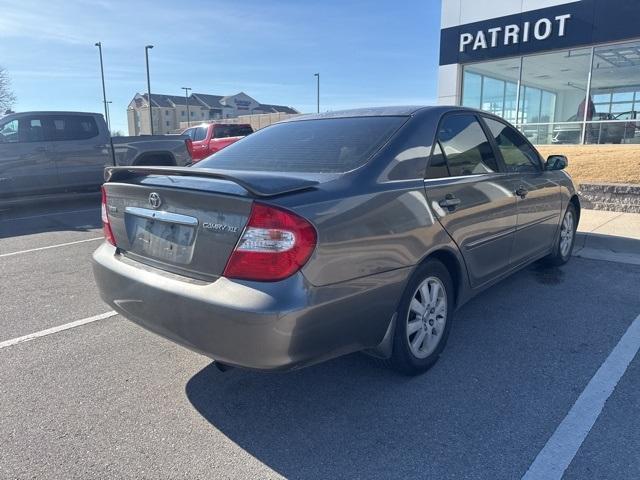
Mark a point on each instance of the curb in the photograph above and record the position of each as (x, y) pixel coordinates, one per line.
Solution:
(606, 247)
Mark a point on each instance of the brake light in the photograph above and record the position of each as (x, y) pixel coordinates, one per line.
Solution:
(189, 143)
(106, 226)
(275, 244)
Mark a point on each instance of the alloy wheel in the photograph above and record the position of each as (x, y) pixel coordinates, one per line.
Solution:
(427, 317)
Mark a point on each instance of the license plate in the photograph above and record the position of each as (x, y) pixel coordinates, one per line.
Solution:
(161, 240)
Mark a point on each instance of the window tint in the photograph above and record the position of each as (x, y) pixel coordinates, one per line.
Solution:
(225, 131)
(71, 127)
(437, 164)
(9, 132)
(465, 146)
(517, 154)
(333, 145)
(190, 133)
(200, 133)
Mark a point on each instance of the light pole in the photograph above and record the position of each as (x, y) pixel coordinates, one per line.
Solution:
(317, 75)
(146, 56)
(186, 96)
(104, 92)
(107, 102)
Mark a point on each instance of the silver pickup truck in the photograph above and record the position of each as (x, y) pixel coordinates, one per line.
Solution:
(45, 153)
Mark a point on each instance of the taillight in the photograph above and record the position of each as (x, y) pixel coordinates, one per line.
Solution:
(275, 244)
(189, 143)
(106, 226)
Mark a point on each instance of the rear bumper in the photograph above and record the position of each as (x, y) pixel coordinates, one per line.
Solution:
(257, 325)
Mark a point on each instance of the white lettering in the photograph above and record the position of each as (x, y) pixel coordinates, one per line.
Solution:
(494, 35)
(562, 22)
(481, 41)
(465, 39)
(511, 34)
(525, 32)
(547, 29)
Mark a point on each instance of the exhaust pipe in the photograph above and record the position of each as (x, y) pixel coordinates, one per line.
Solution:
(222, 366)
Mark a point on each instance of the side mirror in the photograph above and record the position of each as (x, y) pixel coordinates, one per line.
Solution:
(556, 162)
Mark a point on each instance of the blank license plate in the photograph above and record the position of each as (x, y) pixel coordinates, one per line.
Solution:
(161, 240)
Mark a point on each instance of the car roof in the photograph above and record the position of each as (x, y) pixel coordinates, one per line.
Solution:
(390, 111)
(51, 112)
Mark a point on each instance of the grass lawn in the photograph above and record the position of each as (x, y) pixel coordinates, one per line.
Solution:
(599, 163)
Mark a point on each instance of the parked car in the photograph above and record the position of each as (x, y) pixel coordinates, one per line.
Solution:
(211, 138)
(50, 152)
(613, 132)
(332, 233)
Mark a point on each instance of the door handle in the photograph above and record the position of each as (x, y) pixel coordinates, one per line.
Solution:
(522, 192)
(450, 202)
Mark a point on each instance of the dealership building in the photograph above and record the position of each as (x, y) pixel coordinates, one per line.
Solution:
(562, 72)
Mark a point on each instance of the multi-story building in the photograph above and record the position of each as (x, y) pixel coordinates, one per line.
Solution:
(563, 71)
(169, 111)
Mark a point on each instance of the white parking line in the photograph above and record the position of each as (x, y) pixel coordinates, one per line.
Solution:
(561, 448)
(51, 246)
(60, 328)
(53, 214)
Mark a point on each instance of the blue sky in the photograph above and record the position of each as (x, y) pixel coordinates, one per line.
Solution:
(367, 52)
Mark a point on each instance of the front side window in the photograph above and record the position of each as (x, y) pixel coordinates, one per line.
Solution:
(516, 152)
(9, 132)
(190, 133)
(200, 133)
(466, 147)
(332, 145)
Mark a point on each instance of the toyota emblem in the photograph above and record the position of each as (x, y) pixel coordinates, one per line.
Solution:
(154, 200)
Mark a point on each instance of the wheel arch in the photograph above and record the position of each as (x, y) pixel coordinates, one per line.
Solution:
(575, 201)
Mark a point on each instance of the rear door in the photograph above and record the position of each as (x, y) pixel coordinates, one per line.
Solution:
(78, 149)
(26, 166)
(538, 196)
(472, 197)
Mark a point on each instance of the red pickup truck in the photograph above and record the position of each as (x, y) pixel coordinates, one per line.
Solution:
(209, 138)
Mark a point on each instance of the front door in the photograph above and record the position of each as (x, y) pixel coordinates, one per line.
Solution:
(538, 195)
(473, 200)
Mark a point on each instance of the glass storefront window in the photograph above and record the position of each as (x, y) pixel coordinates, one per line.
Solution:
(492, 86)
(472, 90)
(553, 97)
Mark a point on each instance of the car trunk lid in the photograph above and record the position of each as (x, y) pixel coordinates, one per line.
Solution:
(185, 220)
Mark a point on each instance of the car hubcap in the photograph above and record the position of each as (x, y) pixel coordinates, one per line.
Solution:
(427, 317)
(566, 234)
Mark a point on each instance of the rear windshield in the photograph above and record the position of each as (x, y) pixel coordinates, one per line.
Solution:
(333, 145)
(224, 131)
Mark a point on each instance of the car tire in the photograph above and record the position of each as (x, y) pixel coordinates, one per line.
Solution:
(566, 240)
(424, 319)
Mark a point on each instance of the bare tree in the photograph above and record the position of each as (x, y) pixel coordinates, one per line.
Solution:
(7, 98)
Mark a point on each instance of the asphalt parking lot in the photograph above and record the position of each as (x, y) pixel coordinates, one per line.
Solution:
(110, 400)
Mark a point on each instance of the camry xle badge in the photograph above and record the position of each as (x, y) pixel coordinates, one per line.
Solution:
(219, 227)
(154, 200)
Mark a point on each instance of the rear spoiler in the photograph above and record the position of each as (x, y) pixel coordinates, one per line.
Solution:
(259, 184)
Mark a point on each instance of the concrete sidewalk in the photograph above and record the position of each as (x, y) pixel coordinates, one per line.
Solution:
(612, 236)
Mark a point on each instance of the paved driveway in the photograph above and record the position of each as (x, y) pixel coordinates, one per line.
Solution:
(109, 400)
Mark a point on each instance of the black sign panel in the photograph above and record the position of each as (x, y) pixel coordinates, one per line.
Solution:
(569, 25)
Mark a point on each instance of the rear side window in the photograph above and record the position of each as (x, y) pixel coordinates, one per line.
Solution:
(71, 127)
(333, 145)
(437, 164)
(466, 147)
(191, 132)
(516, 152)
(225, 131)
(9, 132)
(200, 133)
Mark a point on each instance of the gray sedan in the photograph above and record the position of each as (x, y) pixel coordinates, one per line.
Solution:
(360, 230)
